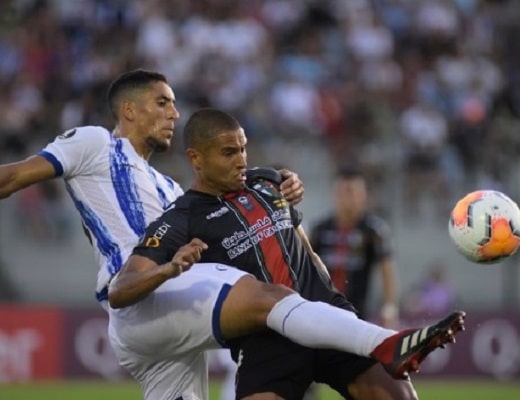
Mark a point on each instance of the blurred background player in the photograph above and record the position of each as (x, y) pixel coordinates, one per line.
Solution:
(353, 242)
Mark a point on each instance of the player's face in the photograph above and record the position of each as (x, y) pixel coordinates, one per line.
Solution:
(350, 195)
(224, 163)
(156, 116)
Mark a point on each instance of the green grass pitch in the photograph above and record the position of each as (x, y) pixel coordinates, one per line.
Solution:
(95, 390)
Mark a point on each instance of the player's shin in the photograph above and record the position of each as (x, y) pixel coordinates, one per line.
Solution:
(320, 325)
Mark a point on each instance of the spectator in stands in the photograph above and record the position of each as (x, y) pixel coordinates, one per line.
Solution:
(433, 296)
(295, 58)
(424, 131)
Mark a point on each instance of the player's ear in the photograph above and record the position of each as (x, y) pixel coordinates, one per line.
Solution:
(127, 110)
(194, 156)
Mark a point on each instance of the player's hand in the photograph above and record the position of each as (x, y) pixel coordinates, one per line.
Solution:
(291, 187)
(186, 256)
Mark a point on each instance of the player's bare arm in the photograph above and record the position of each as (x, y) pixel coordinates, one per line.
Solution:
(16, 176)
(291, 187)
(140, 276)
(390, 309)
(315, 257)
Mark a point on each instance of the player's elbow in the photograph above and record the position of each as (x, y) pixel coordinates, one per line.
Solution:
(122, 295)
(6, 188)
(9, 180)
(116, 296)
(115, 300)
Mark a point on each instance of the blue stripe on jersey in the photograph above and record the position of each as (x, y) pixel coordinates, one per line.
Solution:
(53, 160)
(162, 196)
(125, 188)
(103, 295)
(107, 247)
(170, 181)
(217, 310)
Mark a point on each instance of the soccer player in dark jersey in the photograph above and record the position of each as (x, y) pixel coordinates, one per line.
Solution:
(354, 243)
(248, 224)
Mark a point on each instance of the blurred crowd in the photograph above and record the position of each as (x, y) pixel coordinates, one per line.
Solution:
(438, 78)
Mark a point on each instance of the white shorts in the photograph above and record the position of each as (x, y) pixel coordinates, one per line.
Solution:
(161, 339)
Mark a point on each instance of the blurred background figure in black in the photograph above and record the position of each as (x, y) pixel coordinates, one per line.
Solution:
(355, 243)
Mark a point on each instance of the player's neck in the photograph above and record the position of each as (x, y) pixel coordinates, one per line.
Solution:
(203, 187)
(347, 220)
(140, 146)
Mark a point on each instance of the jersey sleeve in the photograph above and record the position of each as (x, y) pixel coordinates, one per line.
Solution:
(164, 237)
(257, 174)
(268, 187)
(74, 152)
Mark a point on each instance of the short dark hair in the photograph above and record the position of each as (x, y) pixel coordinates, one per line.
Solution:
(131, 80)
(350, 171)
(206, 123)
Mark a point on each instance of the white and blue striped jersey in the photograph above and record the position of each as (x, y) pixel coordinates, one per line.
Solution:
(116, 192)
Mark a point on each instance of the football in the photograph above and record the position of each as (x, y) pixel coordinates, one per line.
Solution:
(485, 226)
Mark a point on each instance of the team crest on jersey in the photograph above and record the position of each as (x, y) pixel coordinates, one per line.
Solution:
(245, 202)
(67, 134)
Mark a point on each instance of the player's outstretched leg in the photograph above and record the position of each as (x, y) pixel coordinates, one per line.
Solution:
(403, 352)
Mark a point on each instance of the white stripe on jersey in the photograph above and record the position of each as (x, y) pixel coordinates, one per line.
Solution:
(116, 192)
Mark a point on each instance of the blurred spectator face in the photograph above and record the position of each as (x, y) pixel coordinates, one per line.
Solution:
(350, 196)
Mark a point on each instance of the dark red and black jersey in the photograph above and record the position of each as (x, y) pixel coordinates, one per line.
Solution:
(253, 230)
(351, 254)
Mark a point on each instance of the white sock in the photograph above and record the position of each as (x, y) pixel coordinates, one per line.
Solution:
(319, 325)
